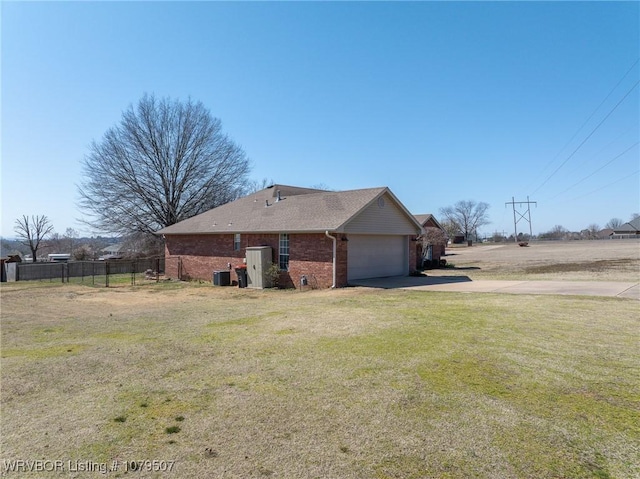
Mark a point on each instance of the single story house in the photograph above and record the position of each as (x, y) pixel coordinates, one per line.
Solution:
(628, 230)
(436, 237)
(325, 238)
(605, 233)
(113, 251)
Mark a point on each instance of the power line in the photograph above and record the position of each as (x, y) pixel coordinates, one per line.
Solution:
(606, 186)
(580, 167)
(591, 116)
(588, 136)
(596, 171)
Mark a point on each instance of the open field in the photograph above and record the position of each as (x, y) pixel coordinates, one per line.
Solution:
(352, 383)
(606, 260)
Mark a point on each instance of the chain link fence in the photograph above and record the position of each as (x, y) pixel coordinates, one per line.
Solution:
(97, 273)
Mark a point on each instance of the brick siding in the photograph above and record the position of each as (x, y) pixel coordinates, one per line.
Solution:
(190, 257)
(198, 256)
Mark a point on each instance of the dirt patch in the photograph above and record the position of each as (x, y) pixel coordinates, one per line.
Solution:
(612, 260)
(601, 266)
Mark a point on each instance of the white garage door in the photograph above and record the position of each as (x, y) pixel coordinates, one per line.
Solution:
(372, 256)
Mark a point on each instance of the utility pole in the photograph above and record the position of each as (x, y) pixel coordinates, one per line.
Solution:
(521, 214)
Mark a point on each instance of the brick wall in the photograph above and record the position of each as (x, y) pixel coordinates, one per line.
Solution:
(310, 255)
(197, 256)
(413, 254)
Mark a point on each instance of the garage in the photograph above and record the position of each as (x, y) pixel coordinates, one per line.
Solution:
(376, 256)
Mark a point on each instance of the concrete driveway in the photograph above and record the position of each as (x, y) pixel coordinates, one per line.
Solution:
(466, 285)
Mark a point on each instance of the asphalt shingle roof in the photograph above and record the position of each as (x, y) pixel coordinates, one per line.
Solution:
(298, 210)
(630, 227)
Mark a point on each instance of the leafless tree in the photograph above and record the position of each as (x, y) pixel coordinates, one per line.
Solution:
(254, 186)
(558, 232)
(432, 238)
(165, 161)
(69, 239)
(31, 231)
(498, 237)
(614, 223)
(140, 245)
(57, 243)
(467, 216)
(321, 186)
(592, 231)
(450, 229)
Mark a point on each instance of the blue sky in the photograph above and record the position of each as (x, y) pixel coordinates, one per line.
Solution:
(439, 101)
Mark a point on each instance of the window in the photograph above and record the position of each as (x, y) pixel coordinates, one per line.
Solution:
(284, 251)
(236, 242)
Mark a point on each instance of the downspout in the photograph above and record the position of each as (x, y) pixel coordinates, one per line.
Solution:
(334, 257)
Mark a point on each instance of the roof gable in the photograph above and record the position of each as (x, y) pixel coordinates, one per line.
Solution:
(427, 220)
(384, 215)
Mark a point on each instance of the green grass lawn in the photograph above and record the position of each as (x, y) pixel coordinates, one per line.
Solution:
(353, 383)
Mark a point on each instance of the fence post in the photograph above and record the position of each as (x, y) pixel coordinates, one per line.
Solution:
(106, 274)
(157, 270)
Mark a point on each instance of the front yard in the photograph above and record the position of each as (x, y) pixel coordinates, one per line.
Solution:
(353, 383)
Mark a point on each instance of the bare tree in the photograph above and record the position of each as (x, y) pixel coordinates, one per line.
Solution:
(592, 231)
(140, 245)
(69, 237)
(634, 216)
(498, 237)
(451, 229)
(254, 186)
(431, 239)
(165, 161)
(558, 232)
(467, 216)
(614, 223)
(321, 186)
(31, 231)
(61, 243)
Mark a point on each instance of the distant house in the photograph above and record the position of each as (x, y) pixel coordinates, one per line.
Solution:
(114, 251)
(325, 238)
(605, 233)
(628, 230)
(436, 233)
(58, 257)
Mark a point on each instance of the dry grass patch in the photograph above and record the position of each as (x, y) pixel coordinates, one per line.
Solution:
(352, 383)
(606, 260)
